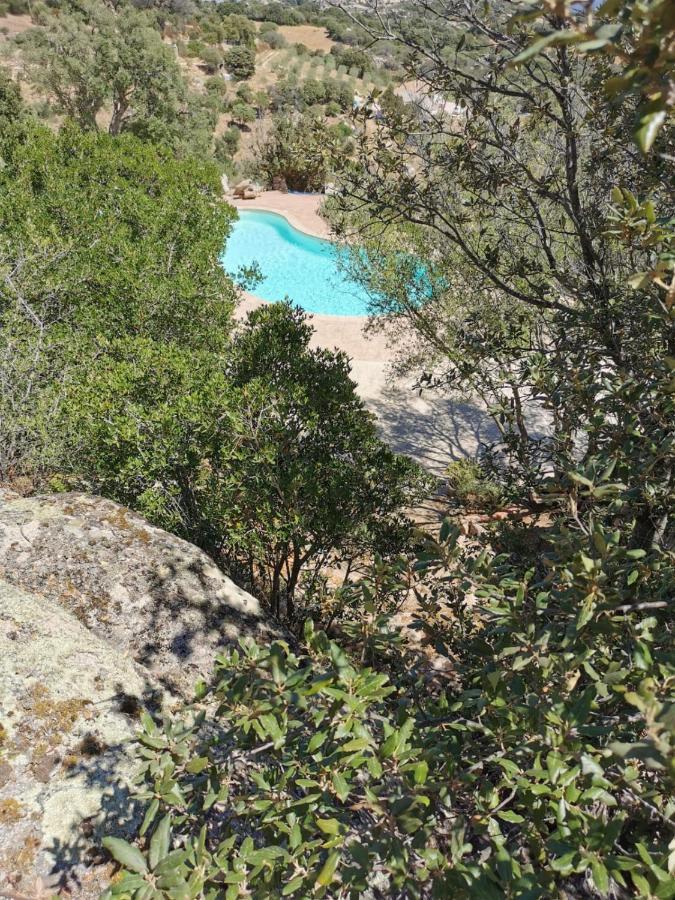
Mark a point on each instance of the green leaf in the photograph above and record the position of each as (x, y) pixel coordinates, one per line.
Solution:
(509, 816)
(159, 844)
(421, 772)
(171, 861)
(600, 876)
(326, 874)
(535, 48)
(126, 854)
(316, 741)
(341, 787)
(292, 886)
(356, 744)
(648, 129)
(329, 826)
(197, 765)
(150, 814)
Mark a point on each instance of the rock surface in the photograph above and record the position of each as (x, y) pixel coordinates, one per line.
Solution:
(156, 598)
(64, 765)
(101, 615)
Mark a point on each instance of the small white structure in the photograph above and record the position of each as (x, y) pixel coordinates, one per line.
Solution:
(435, 104)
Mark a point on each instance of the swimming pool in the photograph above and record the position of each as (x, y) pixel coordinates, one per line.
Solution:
(293, 264)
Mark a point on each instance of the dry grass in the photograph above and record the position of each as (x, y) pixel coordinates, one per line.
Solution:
(311, 36)
(11, 25)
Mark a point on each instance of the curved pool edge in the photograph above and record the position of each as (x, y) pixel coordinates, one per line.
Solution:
(342, 332)
(247, 296)
(323, 233)
(290, 221)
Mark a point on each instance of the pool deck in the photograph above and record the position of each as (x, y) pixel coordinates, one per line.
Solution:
(301, 210)
(432, 428)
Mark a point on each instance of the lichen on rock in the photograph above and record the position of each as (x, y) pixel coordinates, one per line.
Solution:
(157, 598)
(101, 616)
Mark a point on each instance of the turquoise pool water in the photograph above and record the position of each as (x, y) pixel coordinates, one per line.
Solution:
(293, 264)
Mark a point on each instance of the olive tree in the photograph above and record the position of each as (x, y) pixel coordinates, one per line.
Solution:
(484, 208)
(91, 56)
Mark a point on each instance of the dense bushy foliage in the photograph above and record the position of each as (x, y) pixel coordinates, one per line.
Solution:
(121, 373)
(11, 105)
(525, 746)
(90, 55)
(265, 457)
(302, 150)
(97, 243)
(547, 766)
(240, 62)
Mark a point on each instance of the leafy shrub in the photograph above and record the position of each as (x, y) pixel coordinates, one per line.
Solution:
(12, 107)
(216, 85)
(302, 150)
(275, 40)
(469, 486)
(227, 144)
(139, 259)
(547, 768)
(194, 48)
(264, 457)
(212, 58)
(242, 113)
(356, 60)
(240, 62)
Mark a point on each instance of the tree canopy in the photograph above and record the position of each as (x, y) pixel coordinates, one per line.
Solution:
(92, 55)
(512, 227)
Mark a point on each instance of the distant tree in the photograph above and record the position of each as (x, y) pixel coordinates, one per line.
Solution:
(194, 48)
(244, 93)
(212, 58)
(226, 145)
(242, 113)
(12, 106)
(302, 151)
(274, 39)
(216, 85)
(352, 58)
(391, 104)
(96, 55)
(238, 29)
(240, 62)
(313, 91)
(261, 101)
(286, 95)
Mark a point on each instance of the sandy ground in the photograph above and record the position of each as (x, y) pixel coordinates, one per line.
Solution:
(11, 25)
(311, 36)
(433, 429)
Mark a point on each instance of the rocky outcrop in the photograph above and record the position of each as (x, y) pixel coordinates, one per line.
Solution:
(156, 598)
(101, 615)
(246, 190)
(69, 704)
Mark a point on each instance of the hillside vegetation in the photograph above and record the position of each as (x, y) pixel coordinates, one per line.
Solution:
(209, 79)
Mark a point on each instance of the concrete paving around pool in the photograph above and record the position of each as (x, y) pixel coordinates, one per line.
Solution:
(432, 428)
